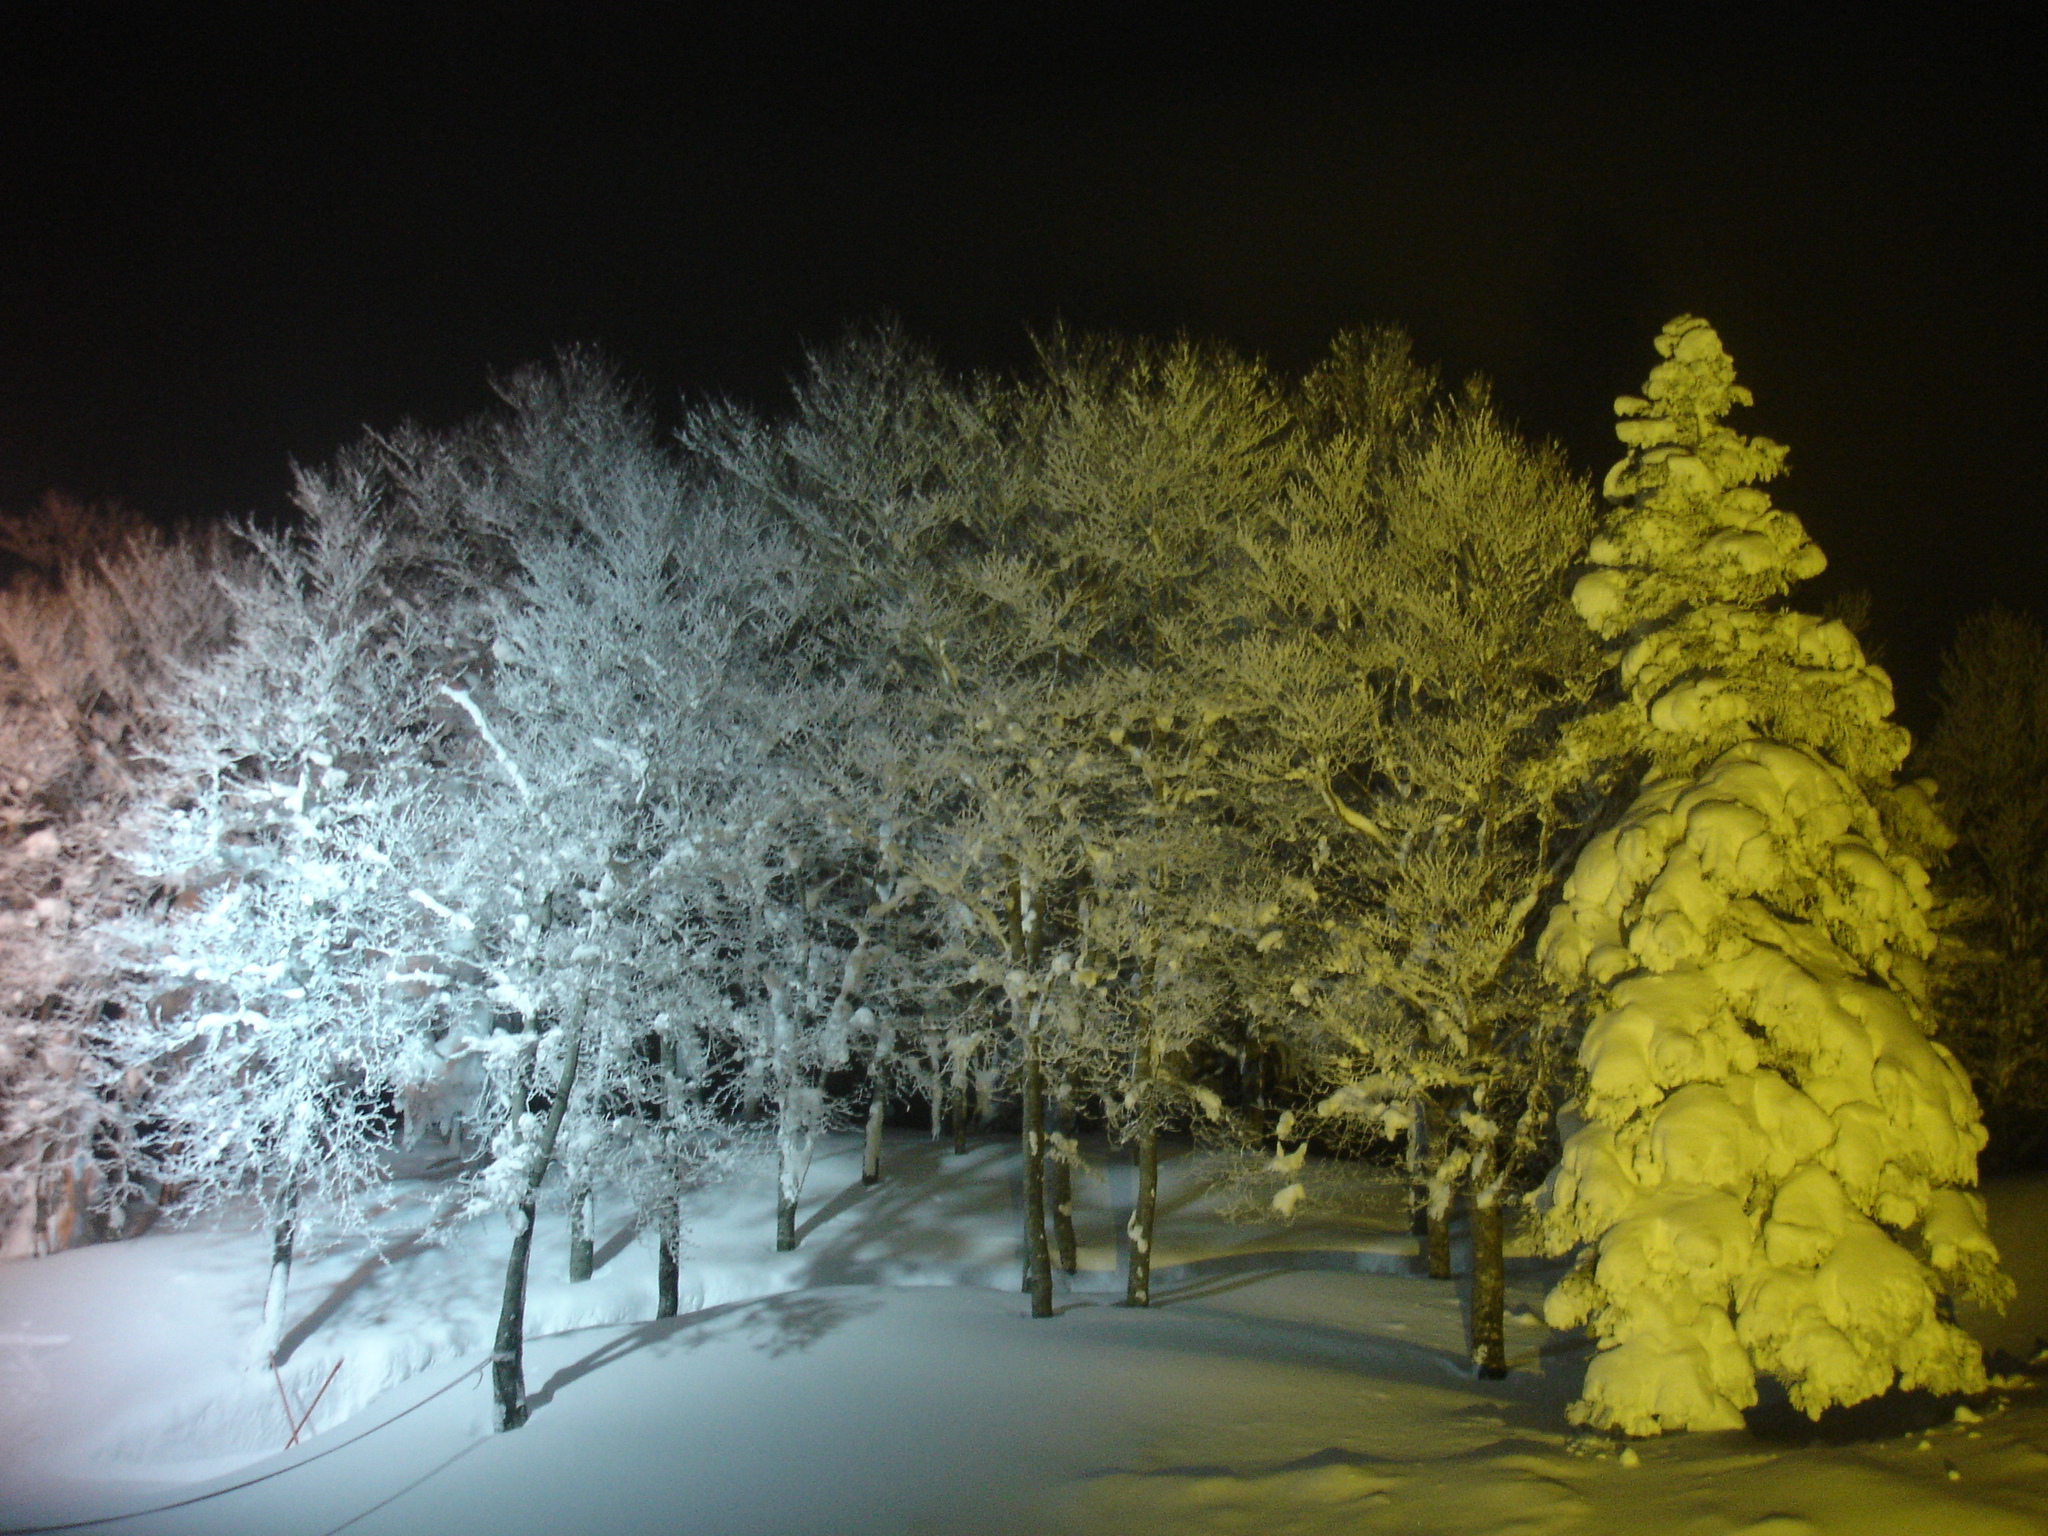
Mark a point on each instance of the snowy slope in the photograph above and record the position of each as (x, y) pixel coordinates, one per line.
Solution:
(884, 1378)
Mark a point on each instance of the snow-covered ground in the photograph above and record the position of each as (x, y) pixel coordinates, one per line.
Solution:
(886, 1377)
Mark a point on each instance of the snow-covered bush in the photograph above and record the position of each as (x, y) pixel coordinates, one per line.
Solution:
(99, 610)
(1771, 1161)
(1989, 754)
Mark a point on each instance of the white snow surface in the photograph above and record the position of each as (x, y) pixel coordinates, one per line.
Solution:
(1295, 1377)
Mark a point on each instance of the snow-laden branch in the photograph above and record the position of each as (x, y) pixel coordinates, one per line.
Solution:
(483, 727)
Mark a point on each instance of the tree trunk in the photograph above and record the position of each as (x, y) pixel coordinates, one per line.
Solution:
(508, 1350)
(871, 1146)
(1138, 1288)
(1138, 1283)
(284, 1223)
(1432, 1224)
(1489, 1286)
(1439, 1223)
(1061, 1178)
(959, 1107)
(580, 1254)
(1418, 1180)
(1037, 1255)
(667, 1274)
(785, 1196)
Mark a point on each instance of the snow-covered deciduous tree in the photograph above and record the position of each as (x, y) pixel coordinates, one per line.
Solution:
(1989, 754)
(1289, 641)
(1443, 837)
(99, 611)
(816, 866)
(610, 741)
(275, 1009)
(987, 647)
(911, 493)
(807, 919)
(1148, 460)
(1771, 1162)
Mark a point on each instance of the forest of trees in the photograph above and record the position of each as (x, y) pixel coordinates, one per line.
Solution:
(1154, 744)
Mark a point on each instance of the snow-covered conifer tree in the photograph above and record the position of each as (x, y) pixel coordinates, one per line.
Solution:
(1772, 1162)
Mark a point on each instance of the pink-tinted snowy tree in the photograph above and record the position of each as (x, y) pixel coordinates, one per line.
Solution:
(99, 611)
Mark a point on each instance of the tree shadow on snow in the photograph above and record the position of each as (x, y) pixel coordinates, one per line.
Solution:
(1888, 1417)
(614, 1245)
(854, 1194)
(775, 1325)
(855, 1237)
(379, 1256)
(1545, 1369)
(1199, 1278)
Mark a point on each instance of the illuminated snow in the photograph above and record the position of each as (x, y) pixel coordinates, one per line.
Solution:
(1293, 1380)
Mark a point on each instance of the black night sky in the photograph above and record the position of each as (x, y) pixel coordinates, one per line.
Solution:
(222, 249)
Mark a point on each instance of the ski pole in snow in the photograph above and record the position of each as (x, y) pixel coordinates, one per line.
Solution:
(298, 1424)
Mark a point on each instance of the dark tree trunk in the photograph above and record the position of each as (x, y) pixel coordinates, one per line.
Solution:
(508, 1350)
(871, 1145)
(1145, 1207)
(667, 1276)
(959, 1109)
(788, 1175)
(581, 1255)
(1431, 1224)
(1061, 1181)
(1489, 1288)
(1037, 1255)
(1138, 1287)
(284, 1227)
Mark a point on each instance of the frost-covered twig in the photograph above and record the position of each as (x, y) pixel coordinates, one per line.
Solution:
(469, 706)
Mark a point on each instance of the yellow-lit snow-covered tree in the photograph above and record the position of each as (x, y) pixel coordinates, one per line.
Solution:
(1771, 1163)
